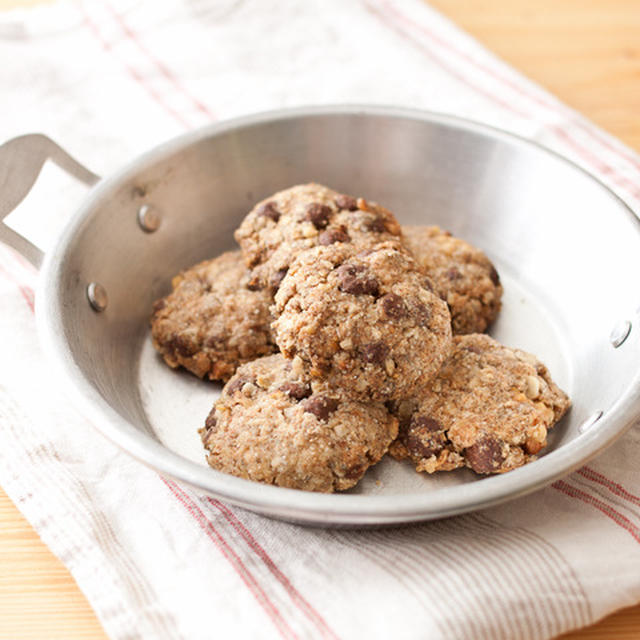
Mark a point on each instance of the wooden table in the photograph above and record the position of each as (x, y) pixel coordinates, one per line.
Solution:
(587, 52)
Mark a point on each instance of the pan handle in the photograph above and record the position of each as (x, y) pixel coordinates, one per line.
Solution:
(21, 160)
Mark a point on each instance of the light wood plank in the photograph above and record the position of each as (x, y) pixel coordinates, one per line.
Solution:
(586, 52)
(38, 597)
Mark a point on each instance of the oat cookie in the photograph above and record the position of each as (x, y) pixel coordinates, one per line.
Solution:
(489, 409)
(212, 321)
(462, 274)
(306, 216)
(272, 426)
(368, 323)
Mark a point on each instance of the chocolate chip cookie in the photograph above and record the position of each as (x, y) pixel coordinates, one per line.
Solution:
(489, 408)
(213, 320)
(273, 426)
(306, 216)
(367, 323)
(462, 274)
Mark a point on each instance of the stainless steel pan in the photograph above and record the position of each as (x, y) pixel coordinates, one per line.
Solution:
(568, 250)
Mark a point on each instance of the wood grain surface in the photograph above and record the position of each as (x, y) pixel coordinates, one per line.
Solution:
(587, 52)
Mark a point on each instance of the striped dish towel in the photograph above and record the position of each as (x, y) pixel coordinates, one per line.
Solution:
(111, 78)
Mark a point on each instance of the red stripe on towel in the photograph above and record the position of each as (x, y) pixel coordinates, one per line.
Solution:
(132, 72)
(164, 70)
(605, 508)
(236, 562)
(297, 598)
(614, 487)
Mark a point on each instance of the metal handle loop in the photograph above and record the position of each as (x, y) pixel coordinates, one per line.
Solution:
(21, 160)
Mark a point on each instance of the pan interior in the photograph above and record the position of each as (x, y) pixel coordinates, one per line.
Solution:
(523, 322)
(567, 251)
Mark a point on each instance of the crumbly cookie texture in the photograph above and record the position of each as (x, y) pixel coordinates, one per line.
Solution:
(462, 274)
(367, 323)
(273, 426)
(305, 216)
(489, 408)
(213, 321)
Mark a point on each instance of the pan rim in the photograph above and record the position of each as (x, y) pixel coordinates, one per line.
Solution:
(290, 503)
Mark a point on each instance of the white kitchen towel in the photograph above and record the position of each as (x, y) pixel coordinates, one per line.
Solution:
(111, 78)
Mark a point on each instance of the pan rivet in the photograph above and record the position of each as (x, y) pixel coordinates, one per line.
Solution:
(97, 295)
(620, 333)
(589, 422)
(148, 218)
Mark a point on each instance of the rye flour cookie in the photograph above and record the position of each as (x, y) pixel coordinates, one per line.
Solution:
(272, 426)
(463, 276)
(305, 216)
(489, 408)
(213, 321)
(367, 323)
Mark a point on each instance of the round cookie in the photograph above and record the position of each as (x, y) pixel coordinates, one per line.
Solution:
(462, 275)
(272, 426)
(305, 216)
(367, 323)
(213, 321)
(489, 408)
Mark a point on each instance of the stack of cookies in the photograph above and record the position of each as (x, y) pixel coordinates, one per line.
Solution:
(343, 336)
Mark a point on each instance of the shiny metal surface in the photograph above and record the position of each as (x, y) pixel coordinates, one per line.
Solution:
(148, 218)
(540, 218)
(589, 422)
(21, 160)
(620, 333)
(97, 296)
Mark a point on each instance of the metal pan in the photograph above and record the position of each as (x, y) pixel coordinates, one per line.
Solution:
(567, 248)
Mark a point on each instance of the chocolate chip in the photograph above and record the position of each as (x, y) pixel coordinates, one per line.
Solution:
(355, 472)
(320, 406)
(472, 348)
(276, 278)
(254, 284)
(453, 274)
(159, 305)
(377, 225)
(394, 306)
(422, 314)
(485, 456)
(355, 279)
(493, 274)
(296, 390)
(374, 352)
(330, 236)
(424, 437)
(210, 422)
(424, 423)
(182, 346)
(268, 209)
(346, 202)
(423, 448)
(214, 342)
(209, 427)
(428, 285)
(318, 214)
(235, 384)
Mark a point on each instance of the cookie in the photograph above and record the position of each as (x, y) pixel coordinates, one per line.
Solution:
(368, 323)
(213, 321)
(305, 216)
(273, 426)
(463, 276)
(489, 409)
